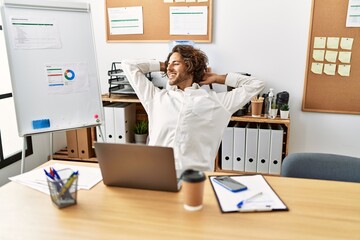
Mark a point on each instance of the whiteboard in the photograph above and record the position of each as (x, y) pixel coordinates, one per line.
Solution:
(53, 65)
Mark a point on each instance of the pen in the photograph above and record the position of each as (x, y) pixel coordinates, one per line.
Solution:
(56, 175)
(48, 175)
(68, 184)
(266, 208)
(242, 202)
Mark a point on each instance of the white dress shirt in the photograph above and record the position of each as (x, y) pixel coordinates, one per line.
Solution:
(192, 121)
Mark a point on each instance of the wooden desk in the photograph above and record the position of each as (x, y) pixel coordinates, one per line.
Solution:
(318, 210)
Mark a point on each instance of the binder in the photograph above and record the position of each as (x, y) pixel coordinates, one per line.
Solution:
(99, 137)
(109, 123)
(227, 148)
(276, 144)
(72, 143)
(251, 144)
(263, 156)
(239, 146)
(85, 148)
(124, 120)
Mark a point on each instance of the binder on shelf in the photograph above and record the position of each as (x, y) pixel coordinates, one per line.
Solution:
(85, 148)
(251, 147)
(124, 119)
(263, 156)
(227, 148)
(109, 123)
(276, 145)
(99, 137)
(239, 146)
(72, 144)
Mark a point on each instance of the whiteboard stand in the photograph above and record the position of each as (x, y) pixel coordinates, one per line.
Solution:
(23, 156)
(23, 153)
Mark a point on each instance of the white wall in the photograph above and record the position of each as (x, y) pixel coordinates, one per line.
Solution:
(265, 38)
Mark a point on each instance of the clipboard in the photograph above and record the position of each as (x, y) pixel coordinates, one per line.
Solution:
(266, 200)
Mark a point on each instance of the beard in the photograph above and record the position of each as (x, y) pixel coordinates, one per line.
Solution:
(176, 78)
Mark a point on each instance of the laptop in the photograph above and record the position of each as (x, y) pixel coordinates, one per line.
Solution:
(137, 166)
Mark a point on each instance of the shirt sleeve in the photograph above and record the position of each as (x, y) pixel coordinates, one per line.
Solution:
(135, 73)
(246, 87)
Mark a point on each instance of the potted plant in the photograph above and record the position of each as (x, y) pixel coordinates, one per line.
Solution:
(273, 110)
(141, 131)
(284, 111)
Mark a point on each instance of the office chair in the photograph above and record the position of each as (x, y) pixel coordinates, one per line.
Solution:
(321, 166)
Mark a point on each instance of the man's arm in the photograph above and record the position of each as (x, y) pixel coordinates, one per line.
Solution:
(211, 77)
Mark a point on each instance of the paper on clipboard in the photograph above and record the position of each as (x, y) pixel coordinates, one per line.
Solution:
(267, 201)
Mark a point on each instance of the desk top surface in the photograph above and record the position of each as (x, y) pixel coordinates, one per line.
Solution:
(318, 210)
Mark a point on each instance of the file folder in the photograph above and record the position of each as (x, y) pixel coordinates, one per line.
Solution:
(99, 137)
(263, 149)
(84, 139)
(124, 120)
(72, 144)
(251, 145)
(227, 148)
(276, 145)
(239, 146)
(109, 123)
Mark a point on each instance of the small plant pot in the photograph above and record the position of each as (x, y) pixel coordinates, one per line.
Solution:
(284, 114)
(140, 138)
(273, 113)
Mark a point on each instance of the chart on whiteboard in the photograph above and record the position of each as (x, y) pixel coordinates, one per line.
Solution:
(67, 78)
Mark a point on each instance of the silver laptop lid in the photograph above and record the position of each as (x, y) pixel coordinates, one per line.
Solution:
(137, 166)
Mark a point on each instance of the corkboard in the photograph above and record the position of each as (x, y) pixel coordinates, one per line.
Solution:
(156, 19)
(332, 93)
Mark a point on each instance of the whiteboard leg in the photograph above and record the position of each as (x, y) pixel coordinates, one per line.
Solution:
(23, 156)
(51, 146)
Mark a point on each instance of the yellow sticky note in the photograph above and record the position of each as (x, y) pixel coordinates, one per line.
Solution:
(317, 67)
(190, 0)
(179, 0)
(346, 43)
(319, 42)
(331, 56)
(318, 55)
(329, 69)
(333, 42)
(344, 70)
(344, 57)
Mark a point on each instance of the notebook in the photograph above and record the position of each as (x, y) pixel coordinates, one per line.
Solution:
(137, 166)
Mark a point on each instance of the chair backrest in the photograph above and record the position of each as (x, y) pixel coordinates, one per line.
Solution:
(321, 166)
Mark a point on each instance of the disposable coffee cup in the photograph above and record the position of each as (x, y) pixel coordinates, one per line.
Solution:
(193, 189)
(256, 107)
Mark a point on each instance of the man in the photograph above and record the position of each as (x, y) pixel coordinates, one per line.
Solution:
(184, 116)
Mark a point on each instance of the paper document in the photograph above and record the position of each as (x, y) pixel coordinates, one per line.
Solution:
(353, 14)
(36, 179)
(188, 20)
(266, 199)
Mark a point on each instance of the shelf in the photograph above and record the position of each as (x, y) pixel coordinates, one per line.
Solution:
(63, 155)
(120, 98)
(249, 118)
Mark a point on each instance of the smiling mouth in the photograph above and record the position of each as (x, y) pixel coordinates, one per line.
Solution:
(171, 75)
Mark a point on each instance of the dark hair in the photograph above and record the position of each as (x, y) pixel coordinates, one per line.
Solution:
(195, 60)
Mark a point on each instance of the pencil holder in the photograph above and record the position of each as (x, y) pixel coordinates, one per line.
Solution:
(63, 191)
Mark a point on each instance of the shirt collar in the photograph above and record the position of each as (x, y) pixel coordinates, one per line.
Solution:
(194, 86)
